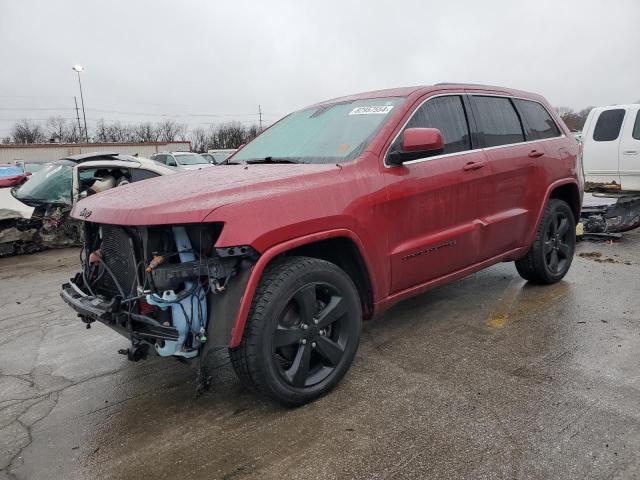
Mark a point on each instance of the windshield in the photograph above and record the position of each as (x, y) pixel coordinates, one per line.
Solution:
(190, 159)
(331, 133)
(34, 167)
(51, 184)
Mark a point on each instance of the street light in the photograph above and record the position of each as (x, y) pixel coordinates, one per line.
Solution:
(78, 69)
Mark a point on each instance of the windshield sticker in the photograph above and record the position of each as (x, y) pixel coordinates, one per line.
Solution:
(372, 110)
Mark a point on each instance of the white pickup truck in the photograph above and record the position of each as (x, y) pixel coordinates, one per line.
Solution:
(611, 148)
(611, 162)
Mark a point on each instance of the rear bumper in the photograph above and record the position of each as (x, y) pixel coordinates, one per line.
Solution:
(128, 324)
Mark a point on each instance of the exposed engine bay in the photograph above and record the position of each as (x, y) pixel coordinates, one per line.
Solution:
(161, 287)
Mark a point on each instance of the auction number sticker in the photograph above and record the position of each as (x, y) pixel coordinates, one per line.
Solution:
(372, 110)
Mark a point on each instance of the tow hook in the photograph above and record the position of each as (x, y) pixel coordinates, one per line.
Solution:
(135, 353)
(86, 320)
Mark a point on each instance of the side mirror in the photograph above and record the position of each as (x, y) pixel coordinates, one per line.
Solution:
(418, 143)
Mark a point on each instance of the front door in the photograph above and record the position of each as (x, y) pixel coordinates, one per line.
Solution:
(629, 152)
(433, 201)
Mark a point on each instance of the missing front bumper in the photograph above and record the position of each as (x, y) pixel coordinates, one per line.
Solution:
(109, 313)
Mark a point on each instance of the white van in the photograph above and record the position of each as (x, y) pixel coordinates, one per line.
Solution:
(611, 148)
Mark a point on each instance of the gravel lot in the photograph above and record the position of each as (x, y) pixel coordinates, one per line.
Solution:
(485, 378)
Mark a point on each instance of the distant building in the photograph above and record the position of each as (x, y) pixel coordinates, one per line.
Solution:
(47, 152)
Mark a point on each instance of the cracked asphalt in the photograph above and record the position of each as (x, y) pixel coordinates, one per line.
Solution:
(485, 378)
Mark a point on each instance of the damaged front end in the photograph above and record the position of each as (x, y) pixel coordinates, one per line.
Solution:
(166, 288)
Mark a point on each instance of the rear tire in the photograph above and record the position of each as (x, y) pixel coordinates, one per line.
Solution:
(302, 331)
(550, 256)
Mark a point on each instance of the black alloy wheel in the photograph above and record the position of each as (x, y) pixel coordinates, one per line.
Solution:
(550, 256)
(310, 337)
(302, 331)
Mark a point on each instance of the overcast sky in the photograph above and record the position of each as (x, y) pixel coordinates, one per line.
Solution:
(209, 61)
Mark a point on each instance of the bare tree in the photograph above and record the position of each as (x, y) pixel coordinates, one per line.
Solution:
(574, 120)
(169, 130)
(57, 128)
(199, 139)
(27, 131)
(101, 131)
(252, 132)
(145, 132)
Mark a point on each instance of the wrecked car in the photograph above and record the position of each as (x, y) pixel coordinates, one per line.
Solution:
(331, 215)
(52, 191)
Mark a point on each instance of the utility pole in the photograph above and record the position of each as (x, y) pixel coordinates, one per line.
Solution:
(78, 69)
(75, 99)
(260, 116)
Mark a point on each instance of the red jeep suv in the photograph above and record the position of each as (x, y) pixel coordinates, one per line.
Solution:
(333, 214)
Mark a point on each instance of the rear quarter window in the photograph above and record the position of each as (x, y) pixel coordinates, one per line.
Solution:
(497, 121)
(536, 121)
(608, 125)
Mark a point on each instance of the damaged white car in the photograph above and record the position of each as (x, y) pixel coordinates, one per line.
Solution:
(36, 215)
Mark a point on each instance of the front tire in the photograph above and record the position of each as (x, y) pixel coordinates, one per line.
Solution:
(302, 331)
(549, 258)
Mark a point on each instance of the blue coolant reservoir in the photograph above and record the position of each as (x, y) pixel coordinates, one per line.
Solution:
(191, 311)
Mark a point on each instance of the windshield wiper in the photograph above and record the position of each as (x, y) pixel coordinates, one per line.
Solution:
(272, 160)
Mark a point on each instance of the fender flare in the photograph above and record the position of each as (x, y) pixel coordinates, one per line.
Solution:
(547, 197)
(270, 254)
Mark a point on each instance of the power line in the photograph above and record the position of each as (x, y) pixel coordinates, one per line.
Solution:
(124, 112)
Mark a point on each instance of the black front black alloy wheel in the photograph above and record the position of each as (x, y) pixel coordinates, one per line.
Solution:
(302, 331)
(311, 335)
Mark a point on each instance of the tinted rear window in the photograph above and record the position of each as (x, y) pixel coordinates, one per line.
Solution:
(537, 122)
(446, 114)
(497, 121)
(608, 125)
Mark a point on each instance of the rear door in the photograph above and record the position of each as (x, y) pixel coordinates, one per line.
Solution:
(433, 201)
(629, 152)
(514, 175)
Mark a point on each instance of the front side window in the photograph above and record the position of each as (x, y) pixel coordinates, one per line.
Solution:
(330, 133)
(497, 121)
(636, 127)
(447, 115)
(608, 125)
(537, 122)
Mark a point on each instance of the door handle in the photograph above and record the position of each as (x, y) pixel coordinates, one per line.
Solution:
(630, 152)
(535, 153)
(473, 166)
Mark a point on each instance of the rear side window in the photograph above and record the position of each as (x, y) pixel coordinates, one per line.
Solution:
(608, 125)
(497, 121)
(636, 127)
(446, 114)
(537, 122)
